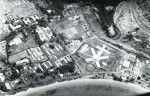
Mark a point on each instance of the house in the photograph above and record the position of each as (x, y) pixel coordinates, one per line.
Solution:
(36, 54)
(16, 24)
(56, 50)
(63, 60)
(28, 69)
(11, 84)
(23, 61)
(27, 21)
(126, 64)
(56, 54)
(8, 85)
(31, 20)
(47, 65)
(44, 66)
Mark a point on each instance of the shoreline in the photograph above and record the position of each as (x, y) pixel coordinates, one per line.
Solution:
(81, 83)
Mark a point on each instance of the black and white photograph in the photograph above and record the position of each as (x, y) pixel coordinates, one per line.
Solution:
(74, 47)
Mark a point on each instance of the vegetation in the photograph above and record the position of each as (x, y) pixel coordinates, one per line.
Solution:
(67, 68)
(37, 39)
(42, 22)
(51, 46)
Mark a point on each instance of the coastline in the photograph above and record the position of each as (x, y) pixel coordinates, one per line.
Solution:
(135, 89)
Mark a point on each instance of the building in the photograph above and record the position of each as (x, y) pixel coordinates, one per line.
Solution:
(55, 50)
(36, 54)
(43, 66)
(11, 84)
(23, 61)
(45, 34)
(47, 65)
(31, 20)
(55, 53)
(15, 24)
(63, 61)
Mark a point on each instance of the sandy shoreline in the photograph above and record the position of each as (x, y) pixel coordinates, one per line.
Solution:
(80, 83)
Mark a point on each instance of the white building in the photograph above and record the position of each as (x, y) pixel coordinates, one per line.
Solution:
(15, 24)
(45, 34)
(31, 19)
(23, 61)
(17, 40)
(2, 77)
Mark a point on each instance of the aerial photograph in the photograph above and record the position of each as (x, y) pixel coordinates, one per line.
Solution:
(74, 47)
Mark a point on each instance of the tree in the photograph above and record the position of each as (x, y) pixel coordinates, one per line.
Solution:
(42, 9)
(37, 39)
(62, 37)
(3, 87)
(51, 46)
(42, 22)
(12, 73)
(67, 68)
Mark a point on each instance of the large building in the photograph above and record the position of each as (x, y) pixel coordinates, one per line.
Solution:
(45, 34)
